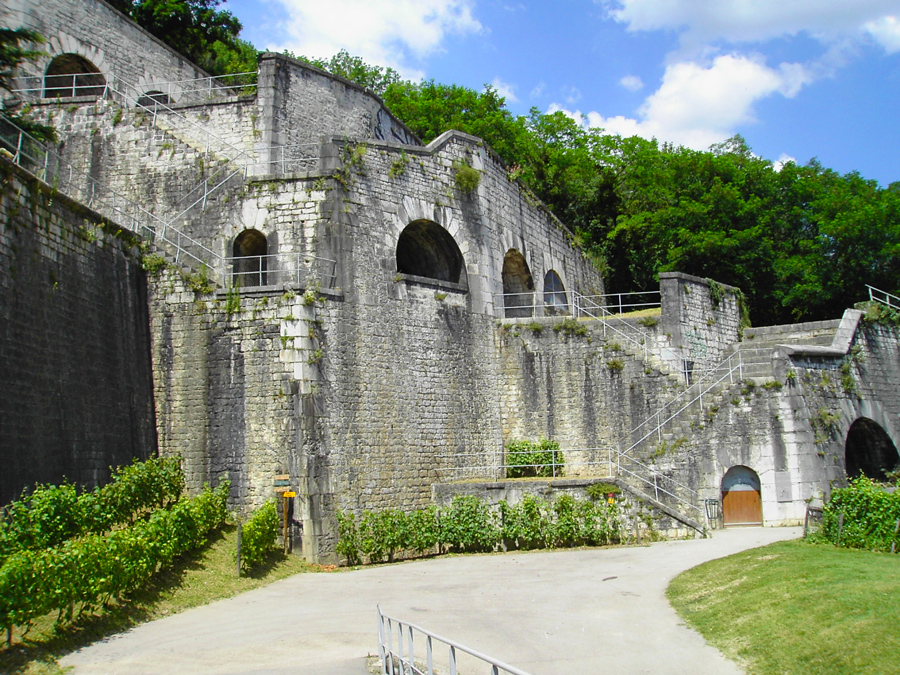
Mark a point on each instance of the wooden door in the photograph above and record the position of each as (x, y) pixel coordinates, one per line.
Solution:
(742, 507)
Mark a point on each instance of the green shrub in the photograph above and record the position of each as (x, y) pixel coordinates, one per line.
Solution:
(92, 569)
(466, 178)
(870, 516)
(527, 524)
(527, 459)
(258, 535)
(51, 514)
(469, 525)
(348, 538)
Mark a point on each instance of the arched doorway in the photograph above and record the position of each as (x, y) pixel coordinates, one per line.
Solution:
(741, 497)
(518, 286)
(869, 450)
(555, 301)
(425, 249)
(249, 261)
(71, 75)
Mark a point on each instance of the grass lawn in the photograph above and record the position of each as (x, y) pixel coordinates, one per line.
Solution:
(796, 607)
(195, 579)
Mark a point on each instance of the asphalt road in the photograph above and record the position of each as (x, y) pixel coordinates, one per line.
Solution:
(548, 613)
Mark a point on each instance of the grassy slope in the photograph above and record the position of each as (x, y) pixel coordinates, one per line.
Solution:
(194, 580)
(795, 607)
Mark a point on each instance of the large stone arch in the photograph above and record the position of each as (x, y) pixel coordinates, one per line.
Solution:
(70, 75)
(425, 249)
(869, 450)
(518, 286)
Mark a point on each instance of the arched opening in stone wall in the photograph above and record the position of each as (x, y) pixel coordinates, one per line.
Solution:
(741, 497)
(555, 300)
(869, 450)
(249, 261)
(73, 75)
(425, 249)
(152, 98)
(518, 286)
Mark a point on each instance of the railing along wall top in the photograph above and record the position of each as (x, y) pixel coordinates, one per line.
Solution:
(401, 660)
(883, 297)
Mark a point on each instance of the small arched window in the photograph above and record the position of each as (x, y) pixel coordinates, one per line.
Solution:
(518, 286)
(152, 98)
(249, 259)
(869, 451)
(425, 249)
(71, 75)
(555, 300)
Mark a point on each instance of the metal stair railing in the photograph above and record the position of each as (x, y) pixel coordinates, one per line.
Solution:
(726, 370)
(32, 155)
(397, 644)
(883, 297)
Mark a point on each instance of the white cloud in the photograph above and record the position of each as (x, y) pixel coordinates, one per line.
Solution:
(506, 90)
(698, 105)
(632, 83)
(386, 32)
(538, 90)
(572, 94)
(782, 160)
(701, 22)
(886, 32)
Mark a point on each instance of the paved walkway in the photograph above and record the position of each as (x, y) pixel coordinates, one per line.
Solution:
(568, 611)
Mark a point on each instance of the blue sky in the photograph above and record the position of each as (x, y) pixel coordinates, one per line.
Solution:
(797, 78)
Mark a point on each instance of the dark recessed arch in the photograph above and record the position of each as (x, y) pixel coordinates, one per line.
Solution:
(425, 249)
(741, 497)
(70, 75)
(555, 300)
(249, 251)
(518, 286)
(152, 98)
(869, 450)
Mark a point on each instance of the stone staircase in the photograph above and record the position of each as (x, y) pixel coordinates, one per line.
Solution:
(757, 348)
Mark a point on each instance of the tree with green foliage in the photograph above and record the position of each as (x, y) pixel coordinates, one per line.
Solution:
(16, 47)
(196, 29)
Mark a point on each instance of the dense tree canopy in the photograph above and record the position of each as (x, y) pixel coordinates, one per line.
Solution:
(195, 28)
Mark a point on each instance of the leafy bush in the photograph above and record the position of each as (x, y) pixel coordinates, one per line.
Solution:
(92, 569)
(259, 534)
(526, 459)
(53, 513)
(471, 524)
(870, 516)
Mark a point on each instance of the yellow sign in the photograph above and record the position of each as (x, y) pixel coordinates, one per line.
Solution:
(288, 495)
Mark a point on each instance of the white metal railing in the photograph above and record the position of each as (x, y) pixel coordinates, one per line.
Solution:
(47, 165)
(530, 304)
(265, 270)
(883, 297)
(604, 462)
(730, 371)
(188, 91)
(407, 649)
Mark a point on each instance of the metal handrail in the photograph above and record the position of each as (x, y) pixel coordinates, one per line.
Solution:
(402, 661)
(259, 269)
(883, 297)
(730, 369)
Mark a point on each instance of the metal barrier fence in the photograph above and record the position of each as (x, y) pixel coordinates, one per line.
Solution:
(265, 270)
(47, 165)
(96, 84)
(407, 649)
(883, 297)
(531, 304)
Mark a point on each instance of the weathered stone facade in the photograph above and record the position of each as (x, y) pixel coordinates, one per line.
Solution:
(74, 341)
(386, 315)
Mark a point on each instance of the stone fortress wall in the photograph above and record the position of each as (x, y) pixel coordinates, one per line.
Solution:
(75, 364)
(359, 338)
